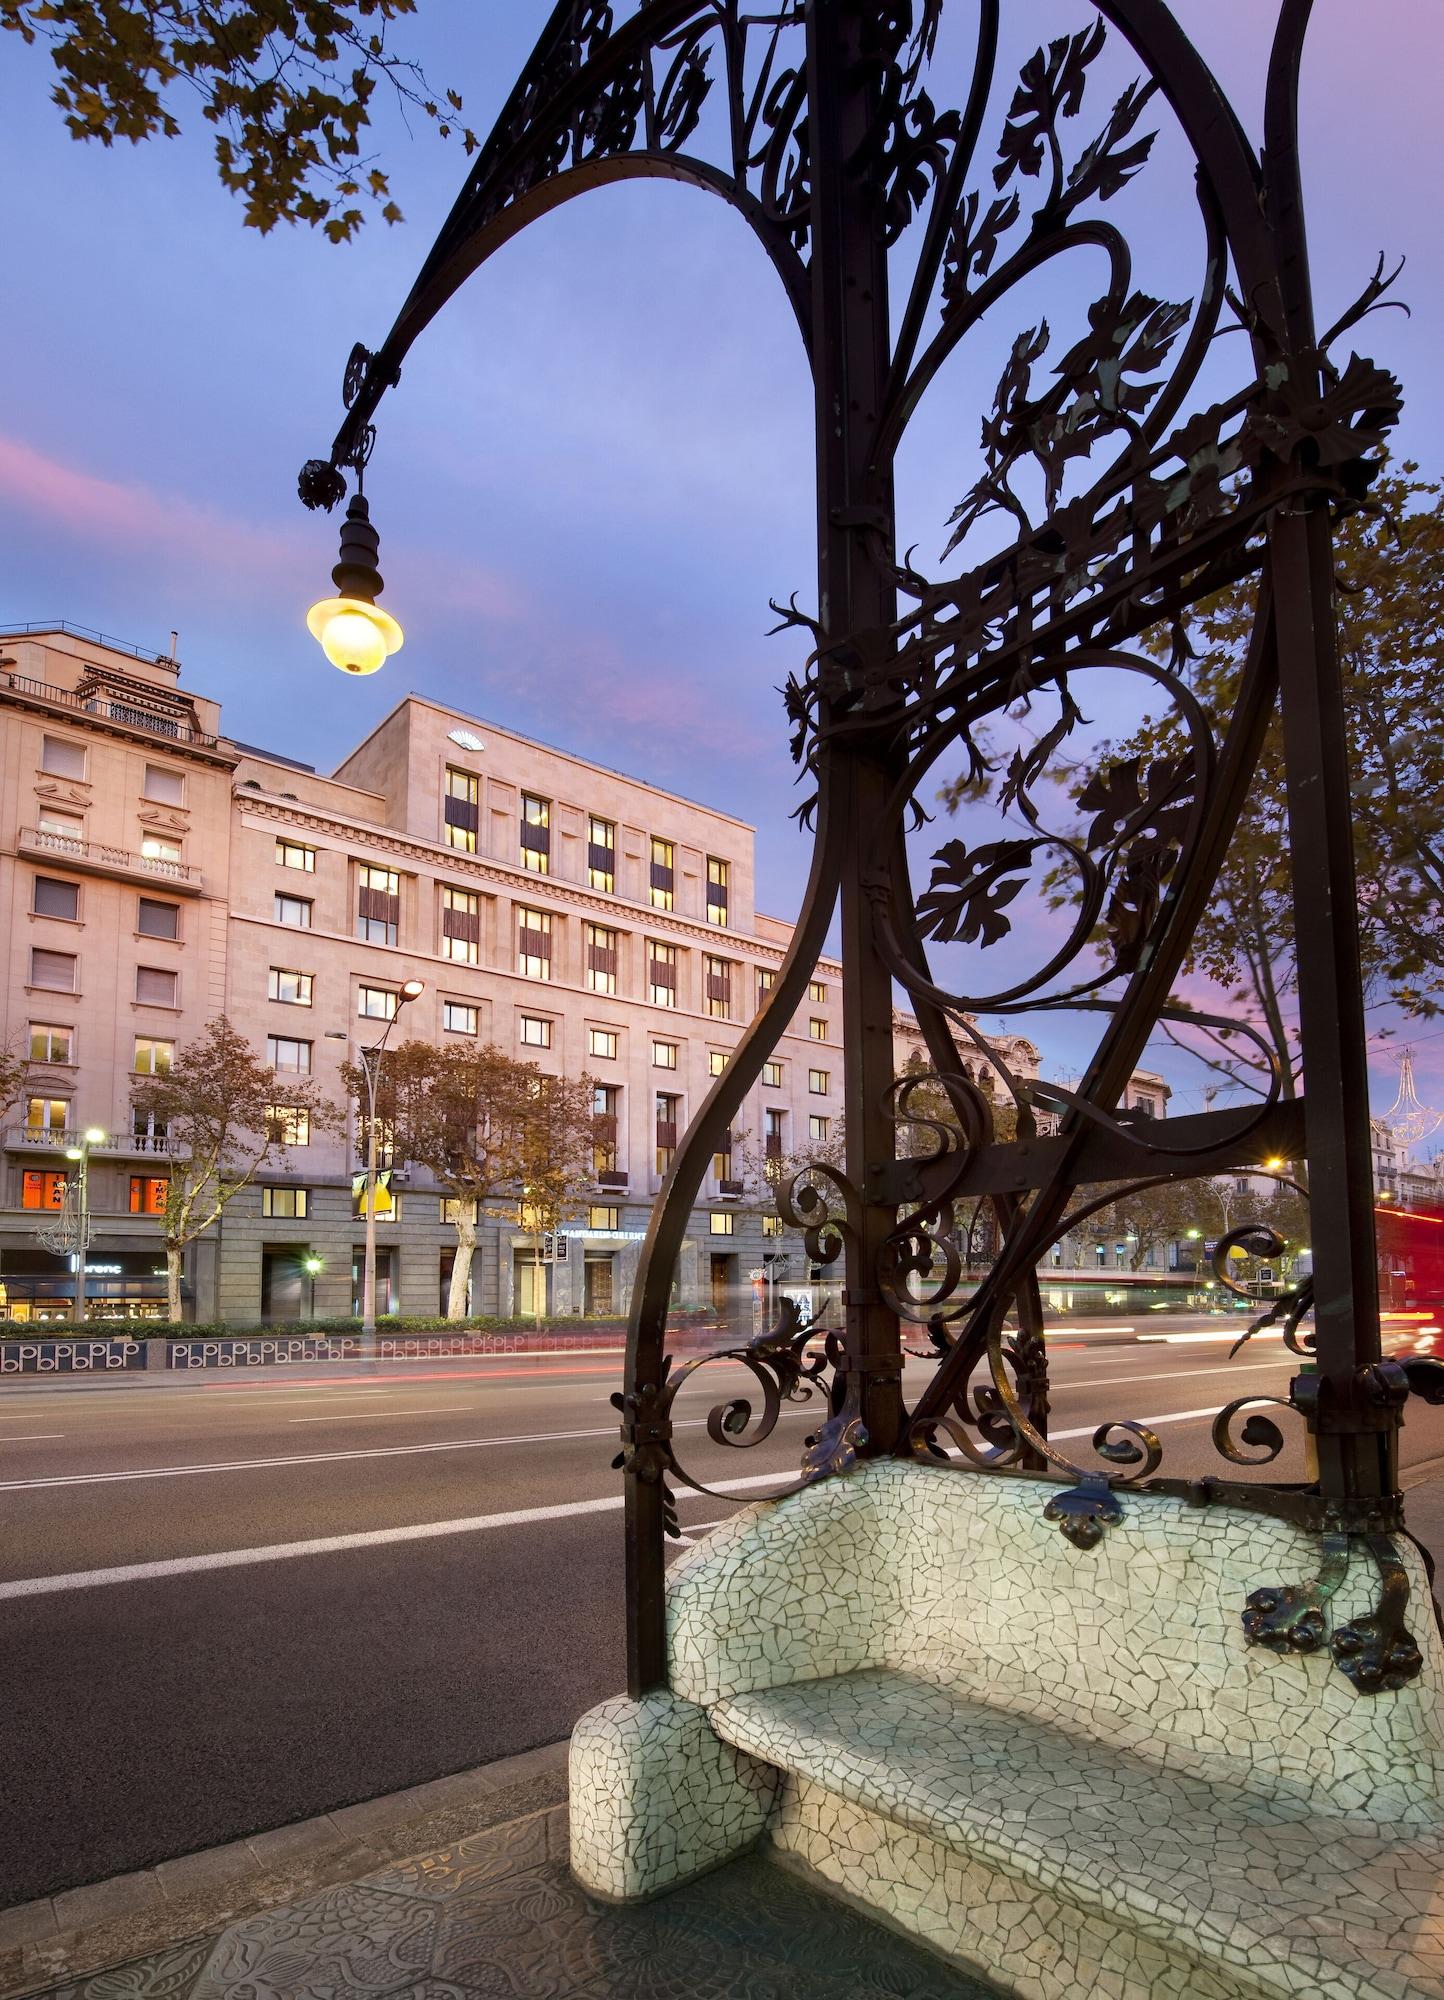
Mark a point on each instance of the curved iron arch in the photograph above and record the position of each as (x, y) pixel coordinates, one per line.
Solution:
(832, 149)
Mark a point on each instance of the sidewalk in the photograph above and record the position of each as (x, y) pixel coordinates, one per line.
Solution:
(495, 1915)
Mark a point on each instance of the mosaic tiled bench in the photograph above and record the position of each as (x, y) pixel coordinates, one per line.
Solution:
(1067, 1769)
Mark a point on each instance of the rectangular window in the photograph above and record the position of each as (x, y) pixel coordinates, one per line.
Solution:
(668, 1107)
(61, 758)
(533, 942)
(457, 1018)
(600, 1217)
(766, 980)
(536, 834)
(772, 1225)
(817, 993)
(151, 1056)
(722, 1159)
(376, 1003)
(661, 973)
(294, 912)
(663, 878)
(818, 1082)
(290, 1124)
(601, 854)
(167, 788)
(292, 989)
(718, 874)
(286, 1054)
(606, 1100)
(817, 1128)
(716, 1061)
(155, 986)
(602, 1042)
(717, 986)
(774, 1134)
(772, 1075)
(148, 1194)
(817, 1028)
(664, 1055)
(49, 1044)
(291, 854)
(461, 926)
(289, 1203)
(378, 904)
(721, 1221)
(601, 965)
(165, 854)
(536, 1033)
(47, 1114)
(41, 1190)
(451, 1209)
(52, 898)
(161, 920)
(461, 809)
(63, 829)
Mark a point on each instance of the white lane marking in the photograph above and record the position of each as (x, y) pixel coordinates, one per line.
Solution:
(378, 1416)
(329, 1457)
(525, 1517)
(30, 1437)
(1168, 1417)
(1064, 1327)
(1058, 1385)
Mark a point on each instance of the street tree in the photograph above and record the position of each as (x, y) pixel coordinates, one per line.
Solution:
(459, 1113)
(556, 1167)
(287, 86)
(1145, 1219)
(225, 1115)
(14, 1070)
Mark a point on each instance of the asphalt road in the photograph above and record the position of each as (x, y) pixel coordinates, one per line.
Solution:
(180, 1668)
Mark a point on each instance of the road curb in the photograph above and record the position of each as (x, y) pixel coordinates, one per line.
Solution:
(85, 1930)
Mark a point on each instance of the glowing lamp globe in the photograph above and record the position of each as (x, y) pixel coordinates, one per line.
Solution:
(355, 636)
(94, 1136)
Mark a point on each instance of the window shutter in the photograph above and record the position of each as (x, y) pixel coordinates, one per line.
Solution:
(155, 987)
(463, 813)
(53, 969)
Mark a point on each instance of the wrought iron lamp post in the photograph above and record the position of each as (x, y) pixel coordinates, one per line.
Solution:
(80, 1153)
(371, 1070)
(818, 122)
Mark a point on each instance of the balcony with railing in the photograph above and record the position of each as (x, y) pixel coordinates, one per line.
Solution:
(109, 705)
(59, 1138)
(98, 857)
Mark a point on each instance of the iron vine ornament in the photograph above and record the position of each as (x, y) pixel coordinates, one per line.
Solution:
(1105, 506)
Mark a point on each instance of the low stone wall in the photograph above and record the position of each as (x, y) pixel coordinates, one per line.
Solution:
(75, 1356)
(70, 1357)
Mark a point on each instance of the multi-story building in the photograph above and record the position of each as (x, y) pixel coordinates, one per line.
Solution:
(156, 873)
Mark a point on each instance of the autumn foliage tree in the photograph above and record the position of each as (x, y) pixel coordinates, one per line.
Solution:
(286, 85)
(225, 1115)
(556, 1161)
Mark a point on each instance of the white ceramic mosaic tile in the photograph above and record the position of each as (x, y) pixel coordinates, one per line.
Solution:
(657, 1797)
(1068, 1768)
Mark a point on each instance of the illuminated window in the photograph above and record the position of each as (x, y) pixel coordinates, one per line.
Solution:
(460, 926)
(292, 989)
(288, 1203)
(152, 1057)
(461, 809)
(378, 904)
(536, 834)
(602, 1042)
(817, 993)
(606, 1104)
(817, 1028)
(291, 854)
(601, 854)
(766, 980)
(163, 854)
(716, 1061)
(148, 1194)
(533, 943)
(717, 987)
(535, 1032)
(40, 1190)
(452, 1209)
(718, 875)
(49, 1044)
(817, 1128)
(772, 1225)
(662, 880)
(664, 1055)
(289, 1124)
(600, 970)
(603, 1218)
(661, 973)
(818, 1081)
(721, 1221)
(772, 1075)
(47, 1114)
(668, 1111)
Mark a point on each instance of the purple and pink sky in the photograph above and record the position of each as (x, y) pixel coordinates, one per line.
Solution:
(599, 464)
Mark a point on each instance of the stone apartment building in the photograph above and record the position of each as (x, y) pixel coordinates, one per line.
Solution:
(155, 872)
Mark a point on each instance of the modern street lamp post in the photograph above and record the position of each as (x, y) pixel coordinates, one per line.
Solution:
(370, 1071)
(80, 1154)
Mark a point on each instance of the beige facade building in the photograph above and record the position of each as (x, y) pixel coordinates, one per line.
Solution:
(155, 873)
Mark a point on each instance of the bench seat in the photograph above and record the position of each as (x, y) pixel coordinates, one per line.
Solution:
(1265, 1892)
